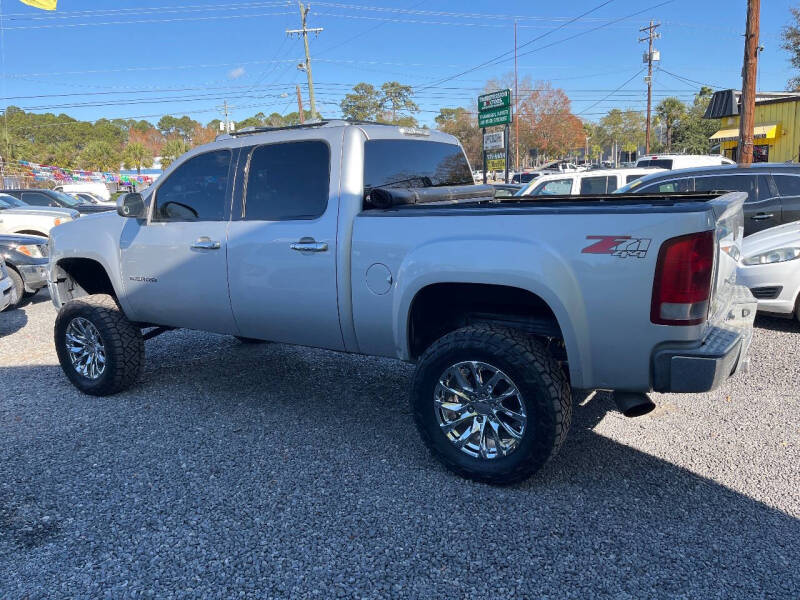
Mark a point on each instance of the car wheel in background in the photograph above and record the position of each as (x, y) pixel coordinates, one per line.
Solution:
(100, 350)
(17, 289)
(491, 404)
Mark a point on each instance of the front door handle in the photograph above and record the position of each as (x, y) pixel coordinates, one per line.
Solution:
(205, 243)
(762, 216)
(308, 244)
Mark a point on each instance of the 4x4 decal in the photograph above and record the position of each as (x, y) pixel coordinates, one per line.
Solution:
(621, 246)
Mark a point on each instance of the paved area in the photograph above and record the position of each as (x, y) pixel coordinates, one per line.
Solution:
(280, 472)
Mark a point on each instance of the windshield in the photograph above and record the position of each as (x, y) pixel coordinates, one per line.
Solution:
(631, 187)
(67, 199)
(414, 163)
(662, 163)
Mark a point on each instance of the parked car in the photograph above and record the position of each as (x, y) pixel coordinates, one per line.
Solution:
(773, 189)
(43, 197)
(595, 181)
(770, 268)
(525, 176)
(26, 262)
(682, 161)
(375, 240)
(17, 217)
(6, 286)
(95, 188)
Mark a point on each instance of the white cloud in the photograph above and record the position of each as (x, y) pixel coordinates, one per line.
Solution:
(236, 73)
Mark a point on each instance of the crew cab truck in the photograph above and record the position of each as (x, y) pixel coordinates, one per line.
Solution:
(373, 239)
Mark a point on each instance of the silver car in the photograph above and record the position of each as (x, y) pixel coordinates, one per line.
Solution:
(769, 267)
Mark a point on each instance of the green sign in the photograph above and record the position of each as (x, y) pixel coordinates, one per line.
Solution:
(494, 108)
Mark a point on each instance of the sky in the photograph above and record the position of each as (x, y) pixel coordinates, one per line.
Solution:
(152, 57)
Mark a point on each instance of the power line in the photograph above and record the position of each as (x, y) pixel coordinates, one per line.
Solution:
(635, 75)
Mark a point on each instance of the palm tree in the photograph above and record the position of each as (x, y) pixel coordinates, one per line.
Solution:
(669, 112)
(171, 150)
(136, 155)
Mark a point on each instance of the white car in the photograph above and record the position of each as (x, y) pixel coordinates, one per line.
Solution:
(598, 181)
(682, 161)
(6, 286)
(18, 217)
(769, 267)
(97, 189)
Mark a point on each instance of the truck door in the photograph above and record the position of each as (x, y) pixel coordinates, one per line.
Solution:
(282, 245)
(173, 267)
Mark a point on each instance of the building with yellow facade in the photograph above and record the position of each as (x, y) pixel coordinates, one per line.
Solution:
(776, 134)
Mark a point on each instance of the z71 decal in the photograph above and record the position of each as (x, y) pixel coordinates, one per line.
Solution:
(621, 246)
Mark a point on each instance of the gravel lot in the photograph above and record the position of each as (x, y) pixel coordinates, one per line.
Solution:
(273, 472)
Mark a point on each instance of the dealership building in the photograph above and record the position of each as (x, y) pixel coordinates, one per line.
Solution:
(776, 134)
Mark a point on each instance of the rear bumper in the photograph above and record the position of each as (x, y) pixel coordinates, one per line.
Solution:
(722, 353)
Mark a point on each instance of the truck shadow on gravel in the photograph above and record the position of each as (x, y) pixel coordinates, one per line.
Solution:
(294, 432)
(778, 324)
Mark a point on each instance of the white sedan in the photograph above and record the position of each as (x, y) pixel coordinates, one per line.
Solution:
(770, 268)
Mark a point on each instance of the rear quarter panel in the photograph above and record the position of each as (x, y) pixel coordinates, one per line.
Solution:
(601, 301)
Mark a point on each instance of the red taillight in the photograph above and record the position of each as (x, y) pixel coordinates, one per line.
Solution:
(682, 285)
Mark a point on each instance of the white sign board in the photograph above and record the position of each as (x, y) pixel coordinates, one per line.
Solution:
(493, 141)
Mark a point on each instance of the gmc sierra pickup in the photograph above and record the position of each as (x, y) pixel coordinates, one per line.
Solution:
(373, 239)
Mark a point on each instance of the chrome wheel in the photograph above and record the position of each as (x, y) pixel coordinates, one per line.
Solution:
(480, 410)
(87, 353)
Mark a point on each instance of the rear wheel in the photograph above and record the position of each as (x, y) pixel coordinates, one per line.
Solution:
(100, 350)
(491, 404)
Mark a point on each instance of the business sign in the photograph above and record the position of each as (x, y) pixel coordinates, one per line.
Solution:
(494, 140)
(495, 161)
(494, 108)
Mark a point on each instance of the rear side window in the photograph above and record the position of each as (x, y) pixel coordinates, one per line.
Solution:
(727, 183)
(662, 163)
(764, 188)
(196, 190)
(558, 187)
(414, 163)
(288, 181)
(788, 185)
(593, 185)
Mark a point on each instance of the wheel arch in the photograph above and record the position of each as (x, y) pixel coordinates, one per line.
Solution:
(77, 277)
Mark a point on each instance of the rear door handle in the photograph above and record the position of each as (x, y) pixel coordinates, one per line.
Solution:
(762, 216)
(205, 243)
(307, 244)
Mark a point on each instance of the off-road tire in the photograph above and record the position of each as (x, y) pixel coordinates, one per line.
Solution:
(123, 343)
(17, 288)
(247, 340)
(536, 374)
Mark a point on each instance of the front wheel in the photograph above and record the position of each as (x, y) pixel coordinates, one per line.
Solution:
(491, 404)
(100, 350)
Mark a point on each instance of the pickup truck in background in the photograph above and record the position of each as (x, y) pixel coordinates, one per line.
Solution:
(18, 217)
(372, 239)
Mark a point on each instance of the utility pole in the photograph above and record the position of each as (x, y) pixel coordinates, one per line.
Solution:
(749, 72)
(651, 35)
(304, 31)
(227, 124)
(516, 104)
(300, 105)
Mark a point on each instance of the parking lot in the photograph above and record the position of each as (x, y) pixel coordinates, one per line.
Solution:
(277, 471)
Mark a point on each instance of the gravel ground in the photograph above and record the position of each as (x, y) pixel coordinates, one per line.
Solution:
(273, 471)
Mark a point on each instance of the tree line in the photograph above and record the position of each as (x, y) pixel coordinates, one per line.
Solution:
(547, 128)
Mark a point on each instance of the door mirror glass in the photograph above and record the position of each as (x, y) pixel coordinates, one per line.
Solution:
(132, 206)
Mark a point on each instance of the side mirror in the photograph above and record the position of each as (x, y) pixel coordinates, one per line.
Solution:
(131, 205)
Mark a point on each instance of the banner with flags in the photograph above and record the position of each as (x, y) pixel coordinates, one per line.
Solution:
(43, 4)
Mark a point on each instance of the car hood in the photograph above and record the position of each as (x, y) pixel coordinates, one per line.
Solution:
(773, 238)
(19, 240)
(42, 211)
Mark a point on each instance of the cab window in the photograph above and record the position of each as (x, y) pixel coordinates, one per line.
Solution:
(593, 185)
(288, 181)
(196, 190)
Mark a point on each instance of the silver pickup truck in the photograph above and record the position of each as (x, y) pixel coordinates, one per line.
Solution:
(372, 239)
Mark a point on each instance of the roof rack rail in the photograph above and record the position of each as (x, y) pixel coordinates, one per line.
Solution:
(249, 130)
